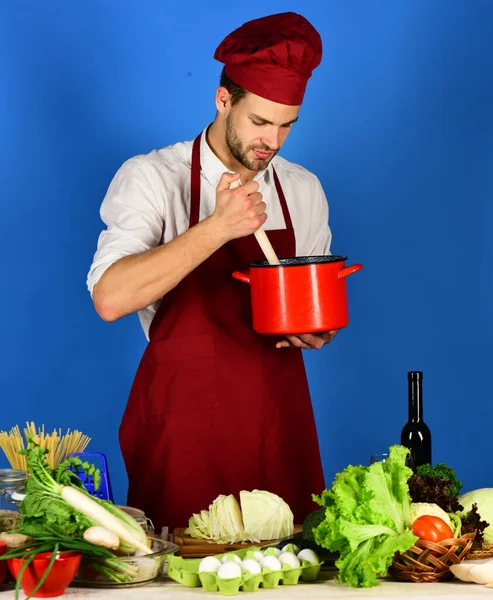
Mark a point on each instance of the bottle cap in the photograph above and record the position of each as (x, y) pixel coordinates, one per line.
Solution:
(415, 375)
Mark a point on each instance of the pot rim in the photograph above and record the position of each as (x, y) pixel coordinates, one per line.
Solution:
(292, 261)
(62, 556)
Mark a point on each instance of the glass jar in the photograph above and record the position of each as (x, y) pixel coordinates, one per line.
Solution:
(11, 480)
(139, 516)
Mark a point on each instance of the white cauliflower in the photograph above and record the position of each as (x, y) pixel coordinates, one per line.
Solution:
(419, 509)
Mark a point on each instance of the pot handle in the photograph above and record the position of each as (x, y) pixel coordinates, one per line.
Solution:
(349, 271)
(245, 277)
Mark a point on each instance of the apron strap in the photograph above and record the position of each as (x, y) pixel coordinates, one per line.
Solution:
(195, 183)
(282, 200)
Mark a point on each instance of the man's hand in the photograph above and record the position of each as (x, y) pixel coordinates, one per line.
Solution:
(308, 341)
(239, 212)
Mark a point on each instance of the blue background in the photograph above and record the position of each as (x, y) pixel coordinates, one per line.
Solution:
(398, 125)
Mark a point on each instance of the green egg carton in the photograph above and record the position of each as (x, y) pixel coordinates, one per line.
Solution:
(185, 571)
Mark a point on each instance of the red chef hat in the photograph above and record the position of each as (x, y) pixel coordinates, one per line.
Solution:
(272, 57)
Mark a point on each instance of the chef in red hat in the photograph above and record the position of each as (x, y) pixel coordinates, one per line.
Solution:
(216, 408)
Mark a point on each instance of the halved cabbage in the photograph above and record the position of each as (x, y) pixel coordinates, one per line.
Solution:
(221, 523)
(265, 516)
(262, 516)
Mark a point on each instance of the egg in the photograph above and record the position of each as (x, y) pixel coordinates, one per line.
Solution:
(308, 555)
(252, 566)
(256, 554)
(288, 558)
(272, 552)
(291, 548)
(229, 570)
(272, 562)
(231, 557)
(209, 564)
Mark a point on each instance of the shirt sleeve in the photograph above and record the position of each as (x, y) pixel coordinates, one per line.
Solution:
(320, 233)
(134, 217)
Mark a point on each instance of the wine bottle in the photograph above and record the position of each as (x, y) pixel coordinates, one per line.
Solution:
(415, 434)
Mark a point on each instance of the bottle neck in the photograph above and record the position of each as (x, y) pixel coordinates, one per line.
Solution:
(415, 393)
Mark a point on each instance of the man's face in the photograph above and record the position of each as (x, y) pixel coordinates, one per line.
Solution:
(256, 129)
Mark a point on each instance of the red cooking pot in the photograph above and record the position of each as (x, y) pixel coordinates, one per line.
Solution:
(306, 294)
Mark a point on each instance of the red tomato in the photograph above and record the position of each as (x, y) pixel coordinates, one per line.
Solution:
(432, 529)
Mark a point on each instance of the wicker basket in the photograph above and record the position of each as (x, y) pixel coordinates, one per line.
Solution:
(485, 552)
(426, 562)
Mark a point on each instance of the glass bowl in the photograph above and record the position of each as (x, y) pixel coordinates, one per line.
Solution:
(142, 569)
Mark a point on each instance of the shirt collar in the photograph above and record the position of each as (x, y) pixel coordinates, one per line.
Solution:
(213, 168)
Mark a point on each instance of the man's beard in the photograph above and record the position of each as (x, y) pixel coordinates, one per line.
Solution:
(240, 153)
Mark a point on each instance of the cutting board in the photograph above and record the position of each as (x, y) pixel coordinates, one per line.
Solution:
(195, 548)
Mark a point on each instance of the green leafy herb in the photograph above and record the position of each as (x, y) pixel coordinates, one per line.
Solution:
(40, 507)
(483, 498)
(366, 512)
(63, 475)
(471, 522)
(441, 470)
(434, 490)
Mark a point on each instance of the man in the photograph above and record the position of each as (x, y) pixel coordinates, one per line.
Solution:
(216, 408)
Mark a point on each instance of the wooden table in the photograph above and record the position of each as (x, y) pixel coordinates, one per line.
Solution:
(324, 588)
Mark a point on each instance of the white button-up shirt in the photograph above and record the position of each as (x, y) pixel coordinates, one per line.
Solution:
(148, 204)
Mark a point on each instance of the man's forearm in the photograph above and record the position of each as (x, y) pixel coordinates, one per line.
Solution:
(134, 282)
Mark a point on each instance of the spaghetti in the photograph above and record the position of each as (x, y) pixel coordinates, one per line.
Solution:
(59, 446)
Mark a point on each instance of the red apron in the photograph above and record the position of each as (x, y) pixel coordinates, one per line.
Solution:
(216, 408)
